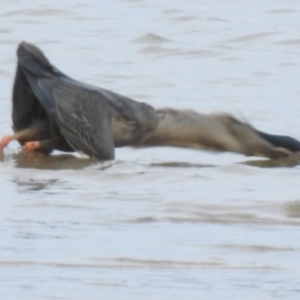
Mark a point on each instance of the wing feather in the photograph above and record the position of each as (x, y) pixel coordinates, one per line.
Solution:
(85, 120)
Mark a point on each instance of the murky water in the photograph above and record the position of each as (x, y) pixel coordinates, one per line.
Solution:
(158, 223)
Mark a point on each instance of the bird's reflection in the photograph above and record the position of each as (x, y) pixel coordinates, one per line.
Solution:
(51, 162)
(283, 162)
(35, 160)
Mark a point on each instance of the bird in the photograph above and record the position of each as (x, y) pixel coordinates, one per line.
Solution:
(52, 111)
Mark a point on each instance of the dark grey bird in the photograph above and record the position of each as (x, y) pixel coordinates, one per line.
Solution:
(53, 111)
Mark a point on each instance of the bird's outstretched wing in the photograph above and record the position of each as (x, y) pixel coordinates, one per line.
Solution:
(84, 119)
(78, 112)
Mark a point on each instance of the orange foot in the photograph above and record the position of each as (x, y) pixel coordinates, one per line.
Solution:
(32, 146)
(6, 140)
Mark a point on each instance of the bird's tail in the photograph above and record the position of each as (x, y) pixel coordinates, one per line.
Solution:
(281, 141)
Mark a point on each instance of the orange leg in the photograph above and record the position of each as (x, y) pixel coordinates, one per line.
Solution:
(6, 140)
(32, 146)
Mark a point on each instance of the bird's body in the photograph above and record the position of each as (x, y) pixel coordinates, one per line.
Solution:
(53, 111)
(74, 115)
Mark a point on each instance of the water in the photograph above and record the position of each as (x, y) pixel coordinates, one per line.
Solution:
(159, 223)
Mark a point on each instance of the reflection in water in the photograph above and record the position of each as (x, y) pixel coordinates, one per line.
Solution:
(284, 162)
(24, 159)
(72, 162)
